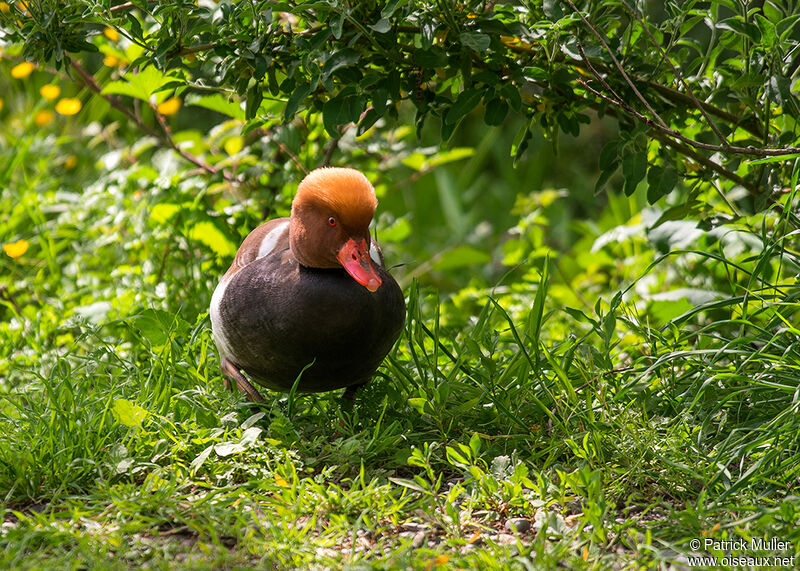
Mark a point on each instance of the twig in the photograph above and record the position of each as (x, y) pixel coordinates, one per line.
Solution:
(164, 136)
(677, 74)
(727, 148)
(292, 156)
(326, 159)
(686, 150)
(616, 63)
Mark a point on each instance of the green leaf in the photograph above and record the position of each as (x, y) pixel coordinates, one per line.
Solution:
(154, 325)
(496, 111)
(768, 34)
(431, 58)
(342, 58)
(660, 182)
(475, 41)
(331, 110)
(397, 232)
(382, 26)
(128, 413)
(511, 94)
(300, 92)
(465, 102)
(255, 95)
(460, 257)
(609, 155)
(634, 168)
(142, 85)
(552, 9)
(217, 103)
(207, 233)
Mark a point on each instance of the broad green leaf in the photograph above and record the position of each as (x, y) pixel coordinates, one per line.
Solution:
(341, 58)
(465, 102)
(475, 41)
(634, 168)
(431, 58)
(154, 325)
(511, 94)
(768, 33)
(660, 182)
(233, 145)
(163, 211)
(496, 111)
(397, 232)
(300, 92)
(128, 413)
(142, 85)
(381, 26)
(208, 234)
(460, 257)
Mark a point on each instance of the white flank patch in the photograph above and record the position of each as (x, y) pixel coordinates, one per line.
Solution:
(217, 327)
(271, 239)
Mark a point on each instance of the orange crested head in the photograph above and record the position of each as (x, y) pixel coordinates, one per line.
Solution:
(344, 191)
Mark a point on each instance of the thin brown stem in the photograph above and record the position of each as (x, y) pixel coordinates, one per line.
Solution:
(165, 137)
(616, 62)
(677, 73)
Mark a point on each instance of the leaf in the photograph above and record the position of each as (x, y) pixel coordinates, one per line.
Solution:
(381, 26)
(496, 111)
(200, 460)
(431, 58)
(634, 168)
(768, 34)
(460, 257)
(660, 182)
(298, 94)
(142, 85)
(608, 155)
(128, 413)
(342, 58)
(207, 233)
(397, 232)
(475, 41)
(217, 103)
(552, 9)
(511, 94)
(465, 102)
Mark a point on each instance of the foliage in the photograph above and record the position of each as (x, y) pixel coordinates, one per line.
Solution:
(585, 380)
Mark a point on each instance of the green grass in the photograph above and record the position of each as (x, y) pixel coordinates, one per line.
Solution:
(566, 417)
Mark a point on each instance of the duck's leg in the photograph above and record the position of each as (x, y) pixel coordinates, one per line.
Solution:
(350, 392)
(231, 372)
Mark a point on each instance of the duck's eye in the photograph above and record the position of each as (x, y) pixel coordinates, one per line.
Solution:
(332, 221)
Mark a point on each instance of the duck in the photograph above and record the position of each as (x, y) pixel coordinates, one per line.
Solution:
(307, 303)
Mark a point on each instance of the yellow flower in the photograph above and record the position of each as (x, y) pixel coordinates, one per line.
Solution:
(1, 103)
(70, 162)
(170, 106)
(43, 117)
(110, 61)
(5, 8)
(22, 70)
(68, 106)
(50, 91)
(111, 34)
(16, 249)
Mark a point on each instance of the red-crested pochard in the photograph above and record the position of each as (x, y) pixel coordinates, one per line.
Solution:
(309, 291)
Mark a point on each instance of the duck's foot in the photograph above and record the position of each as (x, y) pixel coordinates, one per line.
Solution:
(231, 372)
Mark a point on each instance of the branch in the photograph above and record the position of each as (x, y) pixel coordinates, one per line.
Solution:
(727, 148)
(677, 74)
(616, 62)
(164, 136)
(657, 133)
